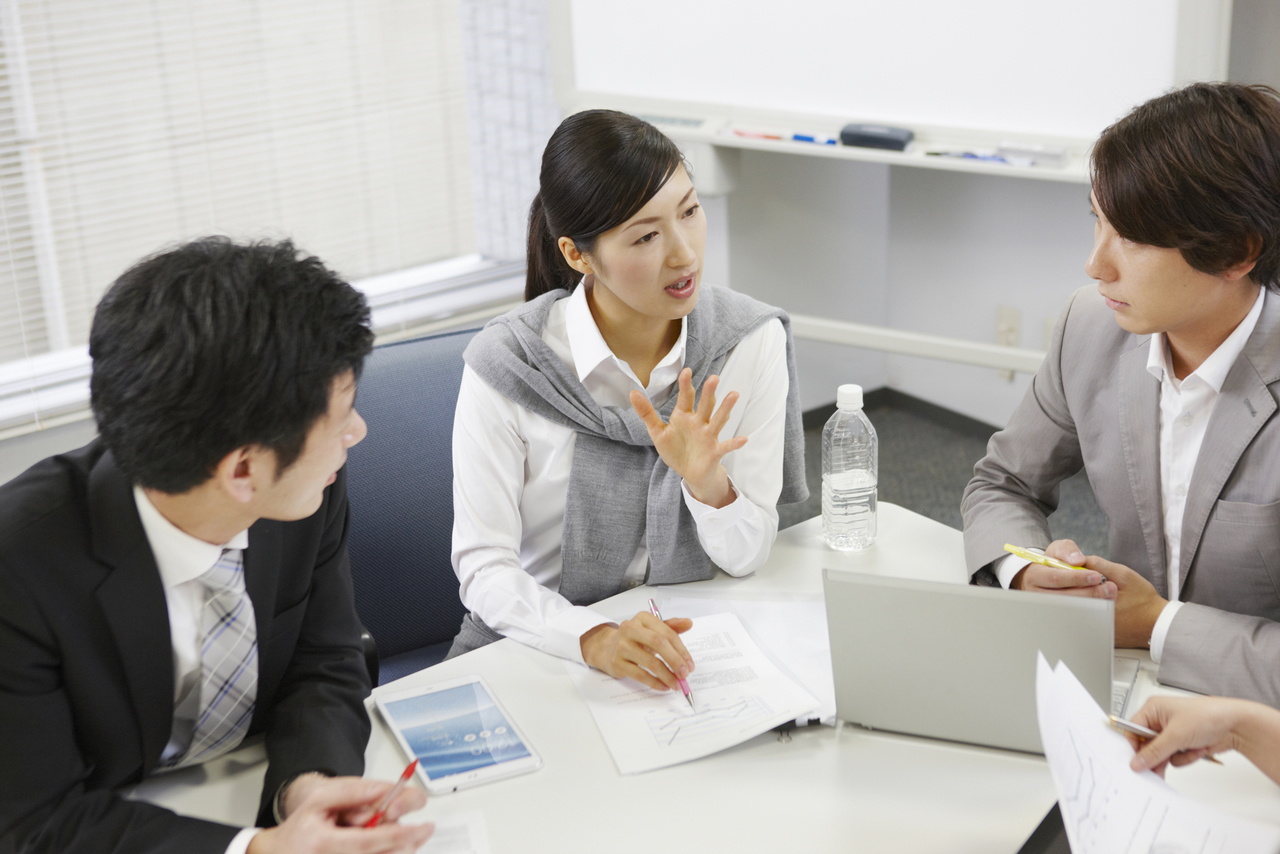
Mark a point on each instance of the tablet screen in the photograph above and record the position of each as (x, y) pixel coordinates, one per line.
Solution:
(456, 730)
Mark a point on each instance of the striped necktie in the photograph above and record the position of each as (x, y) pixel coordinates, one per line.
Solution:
(228, 662)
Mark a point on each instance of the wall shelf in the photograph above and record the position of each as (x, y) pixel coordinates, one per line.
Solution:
(718, 132)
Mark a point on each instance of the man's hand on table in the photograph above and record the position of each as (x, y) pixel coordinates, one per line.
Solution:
(1138, 605)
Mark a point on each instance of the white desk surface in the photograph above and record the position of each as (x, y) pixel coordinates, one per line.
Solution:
(825, 790)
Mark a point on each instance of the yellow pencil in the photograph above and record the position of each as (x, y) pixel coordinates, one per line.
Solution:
(1043, 560)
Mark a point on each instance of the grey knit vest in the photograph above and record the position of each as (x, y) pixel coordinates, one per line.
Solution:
(620, 491)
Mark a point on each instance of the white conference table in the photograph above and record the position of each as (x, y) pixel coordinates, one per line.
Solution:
(824, 789)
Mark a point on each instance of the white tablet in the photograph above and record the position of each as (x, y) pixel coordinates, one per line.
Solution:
(459, 733)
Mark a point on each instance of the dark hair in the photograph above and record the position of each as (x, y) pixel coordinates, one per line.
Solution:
(213, 346)
(598, 169)
(1198, 169)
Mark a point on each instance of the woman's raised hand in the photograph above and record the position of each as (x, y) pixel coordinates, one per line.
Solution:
(689, 441)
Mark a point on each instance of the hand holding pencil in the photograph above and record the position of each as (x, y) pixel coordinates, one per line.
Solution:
(1061, 569)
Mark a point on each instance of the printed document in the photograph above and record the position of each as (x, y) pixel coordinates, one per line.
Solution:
(737, 692)
(1107, 808)
(791, 631)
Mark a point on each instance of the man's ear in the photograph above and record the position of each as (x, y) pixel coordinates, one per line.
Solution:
(238, 471)
(573, 256)
(1245, 267)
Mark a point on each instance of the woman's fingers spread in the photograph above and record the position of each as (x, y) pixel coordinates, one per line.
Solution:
(684, 400)
(721, 417)
(729, 446)
(707, 401)
(649, 415)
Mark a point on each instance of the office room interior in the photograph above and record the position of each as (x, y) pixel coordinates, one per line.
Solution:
(400, 142)
(944, 253)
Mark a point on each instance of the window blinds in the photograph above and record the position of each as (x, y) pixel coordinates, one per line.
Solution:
(129, 125)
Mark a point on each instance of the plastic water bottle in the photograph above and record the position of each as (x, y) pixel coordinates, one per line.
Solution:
(850, 464)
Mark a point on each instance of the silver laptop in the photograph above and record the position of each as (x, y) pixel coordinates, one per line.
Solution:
(958, 662)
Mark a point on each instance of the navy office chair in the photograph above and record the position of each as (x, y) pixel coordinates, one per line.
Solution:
(400, 484)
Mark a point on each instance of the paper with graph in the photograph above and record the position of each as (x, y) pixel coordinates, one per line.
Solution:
(1109, 809)
(737, 693)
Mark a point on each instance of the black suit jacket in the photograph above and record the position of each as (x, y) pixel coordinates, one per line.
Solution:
(86, 660)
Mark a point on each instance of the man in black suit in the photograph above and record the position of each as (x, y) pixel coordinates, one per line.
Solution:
(182, 581)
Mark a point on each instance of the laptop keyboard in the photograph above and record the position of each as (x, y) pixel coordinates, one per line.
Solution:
(1124, 674)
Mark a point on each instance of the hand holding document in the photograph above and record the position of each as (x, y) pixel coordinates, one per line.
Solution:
(1107, 807)
(737, 693)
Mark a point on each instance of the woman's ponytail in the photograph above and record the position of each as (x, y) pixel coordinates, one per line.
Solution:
(546, 269)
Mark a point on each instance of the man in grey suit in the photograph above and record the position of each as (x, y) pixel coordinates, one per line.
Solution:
(1162, 383)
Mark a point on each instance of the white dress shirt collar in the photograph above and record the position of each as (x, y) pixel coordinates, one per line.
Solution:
(1213, 371)
(179, 556)
(589, 347)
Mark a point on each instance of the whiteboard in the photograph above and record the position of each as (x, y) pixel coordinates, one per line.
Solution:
(1028, 67)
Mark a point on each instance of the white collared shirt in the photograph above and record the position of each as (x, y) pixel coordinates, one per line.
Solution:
(1185, 408)
(182, 559)
(511, 472)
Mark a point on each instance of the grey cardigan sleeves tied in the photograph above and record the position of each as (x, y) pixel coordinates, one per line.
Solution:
(619, 489)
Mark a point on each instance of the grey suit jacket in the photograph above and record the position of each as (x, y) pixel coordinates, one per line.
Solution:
(1093, 404)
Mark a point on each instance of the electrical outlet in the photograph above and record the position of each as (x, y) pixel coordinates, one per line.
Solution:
(1008, 333)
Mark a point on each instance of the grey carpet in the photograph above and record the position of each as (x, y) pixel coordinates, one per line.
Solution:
(927, 457)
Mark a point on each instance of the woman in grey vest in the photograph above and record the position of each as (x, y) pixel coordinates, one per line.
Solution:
(584, 462)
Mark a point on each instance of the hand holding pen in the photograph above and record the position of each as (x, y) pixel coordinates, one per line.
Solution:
(1139, 735)
(385, 803)
(331, 813)
(684, 685)
(644, 648)
(1191, 727)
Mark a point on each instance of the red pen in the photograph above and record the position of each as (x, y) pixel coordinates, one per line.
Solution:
(684, 686)
(391, 795)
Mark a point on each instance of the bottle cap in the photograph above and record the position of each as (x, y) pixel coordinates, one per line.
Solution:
(849, 396)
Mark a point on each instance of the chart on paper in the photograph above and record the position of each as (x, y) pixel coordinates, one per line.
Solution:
(1109, 817)
(680, 727)
(1109, 809)
(737, 692)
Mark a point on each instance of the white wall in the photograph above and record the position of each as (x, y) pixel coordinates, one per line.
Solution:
(812, 236)
(959, 246)
(715, 258)
(1255, 31)
(915, 249)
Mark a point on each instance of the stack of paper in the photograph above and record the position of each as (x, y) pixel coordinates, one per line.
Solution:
(737, 691)
(1107, 807)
